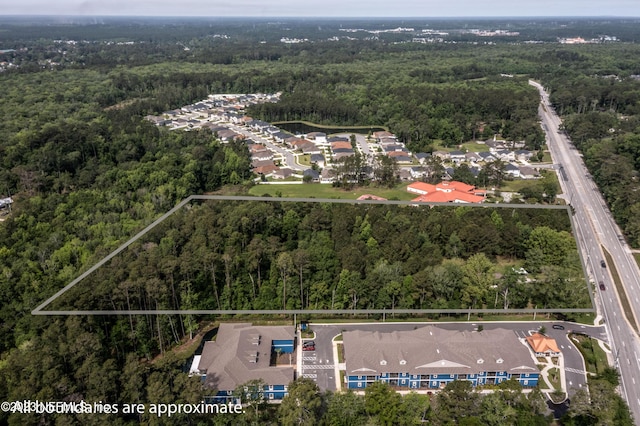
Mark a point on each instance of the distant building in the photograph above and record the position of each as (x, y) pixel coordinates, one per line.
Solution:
(428, 358)
(243, 352)
(446, 192)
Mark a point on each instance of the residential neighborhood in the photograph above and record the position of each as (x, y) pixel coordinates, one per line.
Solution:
(314, 157)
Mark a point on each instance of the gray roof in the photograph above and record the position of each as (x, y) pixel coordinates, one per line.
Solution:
(486, 155)
(242, 352)
(432, 350)
(313, 173)
(511, 167)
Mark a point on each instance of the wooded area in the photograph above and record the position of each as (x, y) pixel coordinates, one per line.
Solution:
(86, 172)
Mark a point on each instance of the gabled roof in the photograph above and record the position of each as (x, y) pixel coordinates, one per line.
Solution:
(433, 350)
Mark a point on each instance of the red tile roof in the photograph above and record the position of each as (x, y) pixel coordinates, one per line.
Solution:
(446, 192)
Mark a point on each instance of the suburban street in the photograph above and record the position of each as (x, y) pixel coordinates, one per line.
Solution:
(288, 157)
(595, 229)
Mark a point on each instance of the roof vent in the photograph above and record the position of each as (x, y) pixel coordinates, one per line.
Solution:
(500, 360)
(481, 361)
(383, 362)
(403, 362)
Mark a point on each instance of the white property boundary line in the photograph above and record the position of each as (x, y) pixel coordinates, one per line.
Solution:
(39, 309)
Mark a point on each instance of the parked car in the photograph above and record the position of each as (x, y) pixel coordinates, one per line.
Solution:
(309, 348)
(602, 287)
(308, 343)
(603, 264)
(557, 327)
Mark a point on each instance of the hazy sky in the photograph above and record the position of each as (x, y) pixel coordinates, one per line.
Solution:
(347, 8)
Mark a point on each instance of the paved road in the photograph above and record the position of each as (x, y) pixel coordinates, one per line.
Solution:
(323, 356)
(595, 227)
(287, 155)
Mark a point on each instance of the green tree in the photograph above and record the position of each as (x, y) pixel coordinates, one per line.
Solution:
(382, 403)
(303, 404)
(345, 409)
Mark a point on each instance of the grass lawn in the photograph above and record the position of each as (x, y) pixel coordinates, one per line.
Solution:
(594, 357)
(554, 378)
(340, 353)
(626, 306)
(304, 160)
(637, 257)
(316, 190)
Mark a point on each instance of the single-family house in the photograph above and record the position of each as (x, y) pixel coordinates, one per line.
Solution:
(401, 157)
(443, 155)
(280, 136)
(262, 155)
(527, 172)
(523, 154)
(243, 352)
(282, 173)
(512, 170)
(317, 159)
(341, 145)
(337, 139)
(327, 175)
(319, 137)
(495, 145)
(417, 172)
(422, 156)
(314, 175)
(394, 148)
(472, 157)
(457, 156)
(383, 134)
(227, 135)
(405, 175)
(310, 148)
(341, 153)
(487, 157)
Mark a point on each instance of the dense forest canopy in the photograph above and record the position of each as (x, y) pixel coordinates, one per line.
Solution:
(86, 172)
(272, 255)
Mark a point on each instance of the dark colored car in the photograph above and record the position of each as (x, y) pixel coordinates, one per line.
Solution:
(308, 343)
(309, 348)
(557, 327)
(604, 265)
(602, 287)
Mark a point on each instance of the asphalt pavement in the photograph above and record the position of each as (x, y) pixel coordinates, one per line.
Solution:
(595, 228)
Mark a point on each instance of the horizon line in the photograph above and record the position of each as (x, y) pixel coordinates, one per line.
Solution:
(72, 15)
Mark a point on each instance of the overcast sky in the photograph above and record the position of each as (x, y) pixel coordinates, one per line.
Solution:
(329, 8)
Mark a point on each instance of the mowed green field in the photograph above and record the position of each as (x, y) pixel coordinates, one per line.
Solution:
(316, 190)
